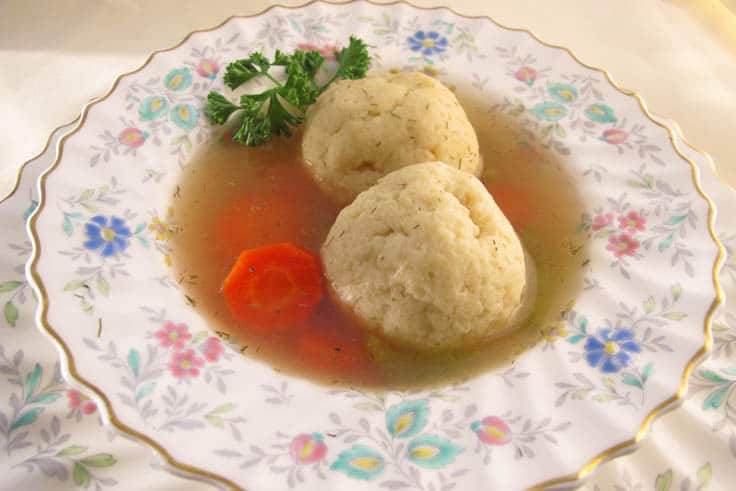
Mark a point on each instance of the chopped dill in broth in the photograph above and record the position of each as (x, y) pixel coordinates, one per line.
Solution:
(233, 197)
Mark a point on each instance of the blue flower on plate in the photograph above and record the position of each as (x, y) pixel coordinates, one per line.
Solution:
(429, 43)
(185, 116)
(611, 349)
(107, 235)
(359, 462)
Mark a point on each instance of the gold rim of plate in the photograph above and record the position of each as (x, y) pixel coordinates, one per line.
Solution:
(192, 471)
(45, 148)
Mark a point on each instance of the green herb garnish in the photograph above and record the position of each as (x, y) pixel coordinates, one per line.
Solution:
(264, 115)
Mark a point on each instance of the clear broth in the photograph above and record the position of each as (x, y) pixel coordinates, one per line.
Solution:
(225, 176)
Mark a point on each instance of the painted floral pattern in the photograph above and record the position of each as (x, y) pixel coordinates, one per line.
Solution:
(153, 107)
(132, 137)
(108, 236)
(308, 448)
(407, 440)
(51, 435)
(173, 335)
(622, 245)
(492, 430)
(632, 222)
(622, 349)
(611, 350)
(208, 68)
(632, 234)
(428, 43)
(176, 379)
(327, 50)
(566, 107)
(80, 404)
(185, 364)
(526, 74)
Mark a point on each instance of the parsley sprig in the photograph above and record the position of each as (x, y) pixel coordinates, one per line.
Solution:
(266, 114)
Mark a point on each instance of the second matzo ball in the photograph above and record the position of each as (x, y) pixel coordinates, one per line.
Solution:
(360, 130)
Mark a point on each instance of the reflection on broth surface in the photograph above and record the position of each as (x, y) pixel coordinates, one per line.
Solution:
(233, 198)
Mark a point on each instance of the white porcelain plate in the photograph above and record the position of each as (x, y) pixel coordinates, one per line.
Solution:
(587, 392)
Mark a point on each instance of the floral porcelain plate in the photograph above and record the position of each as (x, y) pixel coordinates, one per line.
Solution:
(587, 392)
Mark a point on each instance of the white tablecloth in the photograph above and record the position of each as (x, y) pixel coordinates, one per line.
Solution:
(54, 56)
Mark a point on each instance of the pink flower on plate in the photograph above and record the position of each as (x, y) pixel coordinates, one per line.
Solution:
(308, 448)
(175, 335)
(80, 402)
(526, 74)
(622, 245)
(492, 430)
(602, 221)
(212, 348)
(327, 50)
(614, 136)
(185, 364)
(132, 137)
(632, 222)
(208, 68)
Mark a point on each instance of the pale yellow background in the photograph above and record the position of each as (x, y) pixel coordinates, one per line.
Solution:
(679, 54)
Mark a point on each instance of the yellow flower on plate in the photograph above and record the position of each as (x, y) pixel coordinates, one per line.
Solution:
(555, 332)
(431, 71)
(160, 228)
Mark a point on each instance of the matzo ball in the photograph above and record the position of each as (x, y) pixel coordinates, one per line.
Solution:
(427, 257)
(360, 130)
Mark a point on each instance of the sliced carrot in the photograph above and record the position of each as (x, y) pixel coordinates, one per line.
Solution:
(515, 203)
(274, 287)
